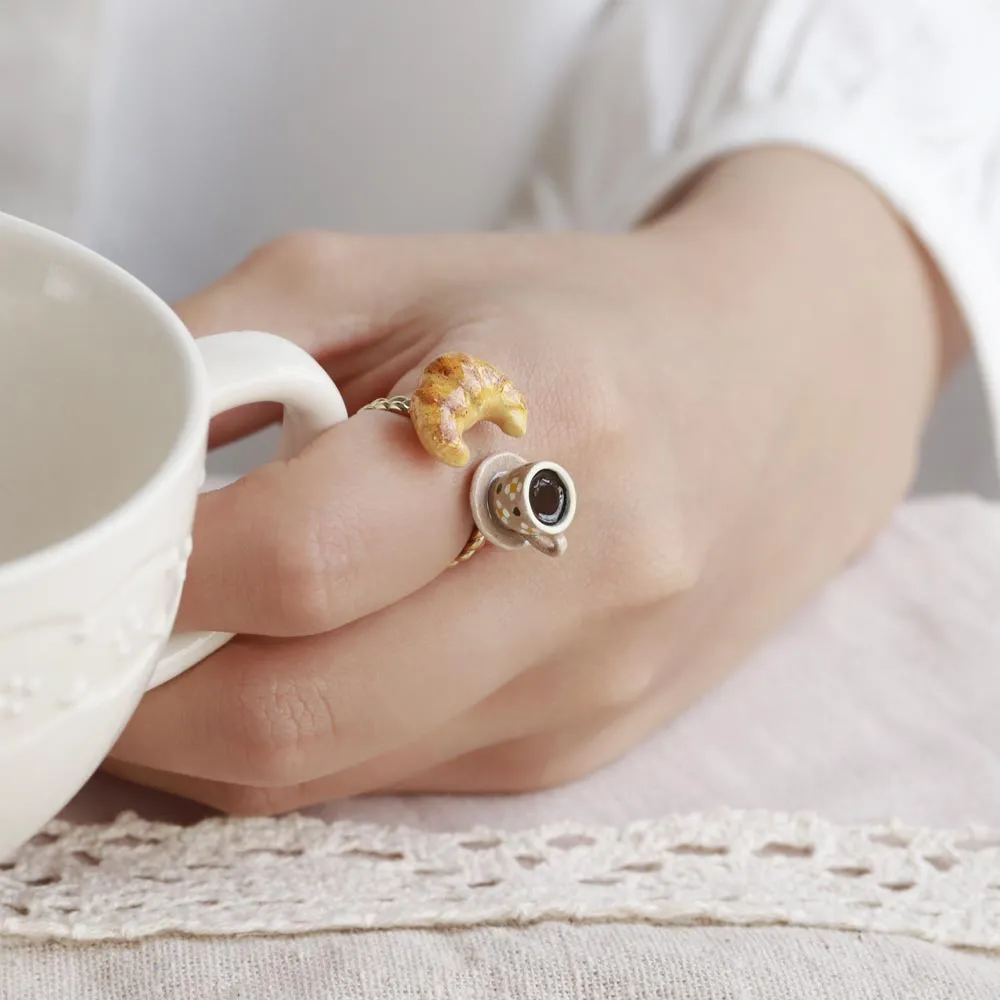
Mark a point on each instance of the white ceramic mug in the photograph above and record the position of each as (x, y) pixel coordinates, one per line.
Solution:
(105, 401)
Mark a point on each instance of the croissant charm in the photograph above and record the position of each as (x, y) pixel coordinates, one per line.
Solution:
(455, 392)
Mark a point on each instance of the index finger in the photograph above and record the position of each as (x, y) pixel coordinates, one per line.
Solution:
(358, 521)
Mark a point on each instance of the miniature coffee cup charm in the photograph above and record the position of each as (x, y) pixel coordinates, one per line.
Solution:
(517, 503)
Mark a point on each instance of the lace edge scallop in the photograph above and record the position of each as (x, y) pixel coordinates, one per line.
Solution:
(133, 879)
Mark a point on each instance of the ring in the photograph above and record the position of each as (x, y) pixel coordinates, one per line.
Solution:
(514, 503)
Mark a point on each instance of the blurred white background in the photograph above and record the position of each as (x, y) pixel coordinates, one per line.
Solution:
(46, 75)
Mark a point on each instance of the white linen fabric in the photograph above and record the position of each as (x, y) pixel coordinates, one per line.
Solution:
(554, 961)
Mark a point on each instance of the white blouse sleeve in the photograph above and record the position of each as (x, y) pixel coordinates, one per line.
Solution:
(906, 92)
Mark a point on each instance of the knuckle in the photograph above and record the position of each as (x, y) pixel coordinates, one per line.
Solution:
(543, 768)
(662, 552)
(292, 251)
(248, 801)
(597, 415)
(268, 727)
(567, 763)
(301, 263)
(617, 676)
(629, 482)
(662, 564)
(299, 575)
(264, 744)
(562, 759)
(652, 562)
(553, 770)
(322, 568)
(627, 685)
(310, 558)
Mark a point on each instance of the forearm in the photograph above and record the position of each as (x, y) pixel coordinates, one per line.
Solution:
(825, 228)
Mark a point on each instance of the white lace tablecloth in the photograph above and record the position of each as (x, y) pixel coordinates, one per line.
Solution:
(772, 802)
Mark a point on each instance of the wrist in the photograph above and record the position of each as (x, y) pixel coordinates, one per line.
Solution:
(828, 328)
(817, 235)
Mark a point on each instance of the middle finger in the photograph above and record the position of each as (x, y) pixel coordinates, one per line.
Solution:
(279, 712)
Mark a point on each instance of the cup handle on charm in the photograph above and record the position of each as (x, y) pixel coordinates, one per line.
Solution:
(252, 367)
(548, 545)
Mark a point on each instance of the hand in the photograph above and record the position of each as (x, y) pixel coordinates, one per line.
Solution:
(738, 399)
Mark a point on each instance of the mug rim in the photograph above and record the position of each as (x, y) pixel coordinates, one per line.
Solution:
(196, 417)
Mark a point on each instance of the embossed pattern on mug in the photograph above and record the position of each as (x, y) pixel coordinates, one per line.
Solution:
(122, 635)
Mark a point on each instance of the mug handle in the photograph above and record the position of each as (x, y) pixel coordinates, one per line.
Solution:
(253, 367)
